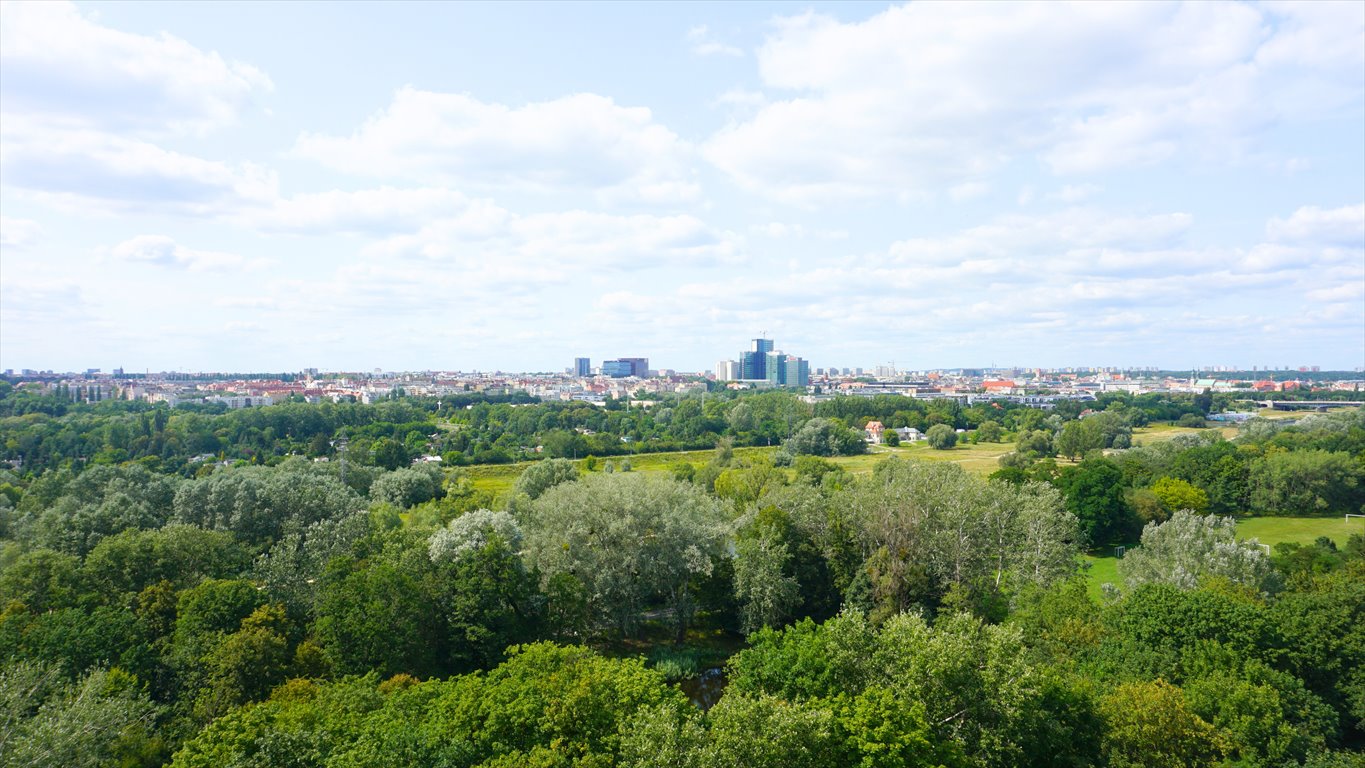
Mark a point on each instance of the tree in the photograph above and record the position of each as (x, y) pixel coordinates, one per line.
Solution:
(1188, 548)
(1035, 443)
(100, 719)
(988, 432)
(1094, 493)
(941, 437)
(1150, 725)
(1075, 440)
(825, 437)
(256, 503)
(1307, 483)
(629, 539)
(1177, 494)
(542, 476)
(765, 592)
(405, 488)
(376, 615)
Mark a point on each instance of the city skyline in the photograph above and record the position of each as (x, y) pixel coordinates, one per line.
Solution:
(485, 186)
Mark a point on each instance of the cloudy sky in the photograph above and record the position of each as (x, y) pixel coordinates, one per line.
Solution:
(257, 186)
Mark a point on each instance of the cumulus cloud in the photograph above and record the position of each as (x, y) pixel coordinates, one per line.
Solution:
(1344, 226)
(86, 107)
(1082, 277)
(92, 171)
(380, 211)
(477, 233)
(579, 142)
(705, 44)
(931, 95)
(162, 251)
(69, 71)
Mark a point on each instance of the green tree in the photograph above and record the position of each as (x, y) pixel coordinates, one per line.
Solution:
(824, 437)
(629, 539)
(405, 488)
(1307, 483)
(1189, 548)
(101, 719)
(988, 432)
(1150, 725)
(542, 476)
(1094, 493)
(1177, 494)
(766, 593)
(376, 615)
(941, 437)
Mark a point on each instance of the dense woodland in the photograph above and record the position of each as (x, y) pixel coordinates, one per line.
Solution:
(193, 588)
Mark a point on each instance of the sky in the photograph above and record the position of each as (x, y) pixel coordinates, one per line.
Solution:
(463, 186)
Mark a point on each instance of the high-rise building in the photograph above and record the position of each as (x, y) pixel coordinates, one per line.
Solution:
(727, 370)
(798, 372)
(626, 366)
(582, 366)
(775, 368)
(754, 363)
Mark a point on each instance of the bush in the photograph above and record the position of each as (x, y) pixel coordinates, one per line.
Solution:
(676, 663)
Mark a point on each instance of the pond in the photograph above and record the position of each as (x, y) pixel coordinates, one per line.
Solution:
(705, 689)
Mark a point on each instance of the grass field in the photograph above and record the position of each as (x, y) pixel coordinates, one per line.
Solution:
(978, 458)
(1158, 432)
(499, 478)
(1267, 530)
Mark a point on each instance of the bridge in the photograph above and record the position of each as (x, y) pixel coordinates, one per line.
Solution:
(1316, 405)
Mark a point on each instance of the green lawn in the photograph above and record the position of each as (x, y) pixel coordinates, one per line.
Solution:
(1154, 433)
(1273, 530)
(977, 458)
(1267, 530)
(499, 478)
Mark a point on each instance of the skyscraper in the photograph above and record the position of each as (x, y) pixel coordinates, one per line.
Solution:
(776, 368)
(754, 363)
(582, 366)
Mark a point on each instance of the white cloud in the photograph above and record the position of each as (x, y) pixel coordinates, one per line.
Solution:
(70, 72)
(548, 246)
(1344, 225)
(578, 142)
(1085, 278)
(381, 211)
(18, 233)
(777, 230)
(84, 170)
(705, 44)
(161, 251)
(84, 107)
(1076, 193)
(931, 95)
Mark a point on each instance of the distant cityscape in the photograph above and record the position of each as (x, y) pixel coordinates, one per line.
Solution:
(760, 366)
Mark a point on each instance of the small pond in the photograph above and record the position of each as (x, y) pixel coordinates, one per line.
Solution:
(705, 689)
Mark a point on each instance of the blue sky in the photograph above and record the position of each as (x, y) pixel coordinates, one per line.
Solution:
(215, 186)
